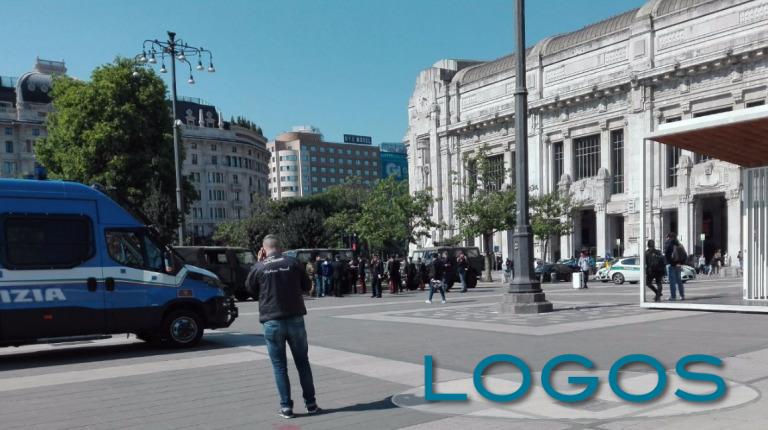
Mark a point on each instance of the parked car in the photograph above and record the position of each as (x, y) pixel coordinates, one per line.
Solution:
(474, 258)
(628, 270)
(230, 264)
(555, 272)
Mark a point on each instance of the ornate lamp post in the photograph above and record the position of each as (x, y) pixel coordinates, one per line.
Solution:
(524, 295)
(175, 50)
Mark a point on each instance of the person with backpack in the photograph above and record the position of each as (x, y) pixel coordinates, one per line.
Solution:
(461, 264)
(654, 269)
(436, 277)
(675, 255)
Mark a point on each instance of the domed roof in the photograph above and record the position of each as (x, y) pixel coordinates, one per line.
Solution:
(35, 87)
(484, 70)
(603, 28)
(666, 7)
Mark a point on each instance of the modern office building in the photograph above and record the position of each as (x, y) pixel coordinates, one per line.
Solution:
(394, 160)
(593, 94)
(302, 163)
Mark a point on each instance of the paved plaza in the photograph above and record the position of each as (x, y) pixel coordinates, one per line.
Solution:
(367, 357)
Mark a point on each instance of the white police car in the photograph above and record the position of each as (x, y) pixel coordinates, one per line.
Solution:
(628, 269)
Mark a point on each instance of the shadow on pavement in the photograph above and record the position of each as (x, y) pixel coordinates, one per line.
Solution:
(378, 405)
(82, 352)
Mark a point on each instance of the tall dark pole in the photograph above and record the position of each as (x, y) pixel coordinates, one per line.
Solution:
(176, 155)
(524, 295)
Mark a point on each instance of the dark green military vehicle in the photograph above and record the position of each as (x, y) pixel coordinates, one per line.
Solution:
(230, 264)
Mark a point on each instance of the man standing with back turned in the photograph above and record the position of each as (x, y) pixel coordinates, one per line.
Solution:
(281, 282)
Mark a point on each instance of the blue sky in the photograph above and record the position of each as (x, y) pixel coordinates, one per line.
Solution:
(345, 66)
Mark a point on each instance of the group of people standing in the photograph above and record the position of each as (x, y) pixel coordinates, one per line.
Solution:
(658, 263)
(337, 277)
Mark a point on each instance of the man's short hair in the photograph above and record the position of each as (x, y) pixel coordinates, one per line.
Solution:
(651, 243)
(671, 234)
(271, 241)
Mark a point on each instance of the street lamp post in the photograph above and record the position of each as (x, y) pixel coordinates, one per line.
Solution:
(179, 50)
(524, 295)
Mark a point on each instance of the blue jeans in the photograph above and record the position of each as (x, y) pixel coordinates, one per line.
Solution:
(435, 284)
(463, 278)
(675, 282)
(318, 285)
(325, 285)
(277, 333)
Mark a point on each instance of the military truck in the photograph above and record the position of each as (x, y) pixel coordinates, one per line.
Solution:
(230, 264)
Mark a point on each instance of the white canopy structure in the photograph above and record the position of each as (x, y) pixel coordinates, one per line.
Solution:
(739, 137)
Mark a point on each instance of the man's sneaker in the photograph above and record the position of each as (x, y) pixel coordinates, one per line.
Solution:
(313, 409)
(429, 302)
(442, 301)
(286, 413)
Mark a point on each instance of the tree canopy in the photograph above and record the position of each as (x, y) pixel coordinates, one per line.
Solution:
(115, 130)
(551, 216)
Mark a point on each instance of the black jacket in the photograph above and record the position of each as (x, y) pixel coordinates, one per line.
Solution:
(281, 282)
(377, 269)
(438, 269)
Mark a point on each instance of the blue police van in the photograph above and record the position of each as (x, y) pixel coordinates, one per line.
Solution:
(75, 264)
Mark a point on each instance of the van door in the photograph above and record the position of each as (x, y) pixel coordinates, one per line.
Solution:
(137, 286)
(50, 272)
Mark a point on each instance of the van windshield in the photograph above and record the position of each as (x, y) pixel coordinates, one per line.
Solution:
(245, 257)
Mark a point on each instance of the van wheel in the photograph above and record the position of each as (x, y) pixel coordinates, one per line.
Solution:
(181, 329)
(242, 295)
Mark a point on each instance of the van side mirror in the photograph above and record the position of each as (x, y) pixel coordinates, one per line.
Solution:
(168, 260)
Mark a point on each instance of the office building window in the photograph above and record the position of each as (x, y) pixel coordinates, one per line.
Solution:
(617, 161)
(194, 158)
(8, 131)
(9, 147)
(587, 156)
(29, 145)
(558, 161)
(213, 147)
(214, 160)
(35, 132)
(755, 103)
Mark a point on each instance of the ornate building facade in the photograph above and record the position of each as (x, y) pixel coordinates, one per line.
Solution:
(593, 95)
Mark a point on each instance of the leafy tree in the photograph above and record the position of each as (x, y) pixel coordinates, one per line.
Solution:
(552, 216)
(487, 209)
(303, 228)
(250, 232)
(244, 122)
(391, 217)
(115, 130)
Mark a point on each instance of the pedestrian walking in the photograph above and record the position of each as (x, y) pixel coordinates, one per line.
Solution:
(353, 273)
(584, 268)
(436, 278)
(701, 264)
(339, 276)
(509, 270)
(411, 275)
(318, 275)
(717, 261)
(674, 255)
(281, 282)
(740, 263)
(393, 269)
(361, 268)
(449, 269)
(654, 269)
(327, 272)
(423, 274)
(461, 267)
(377, 275)
(310, 269)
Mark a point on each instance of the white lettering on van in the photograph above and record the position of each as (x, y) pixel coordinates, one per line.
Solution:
(33, 295)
